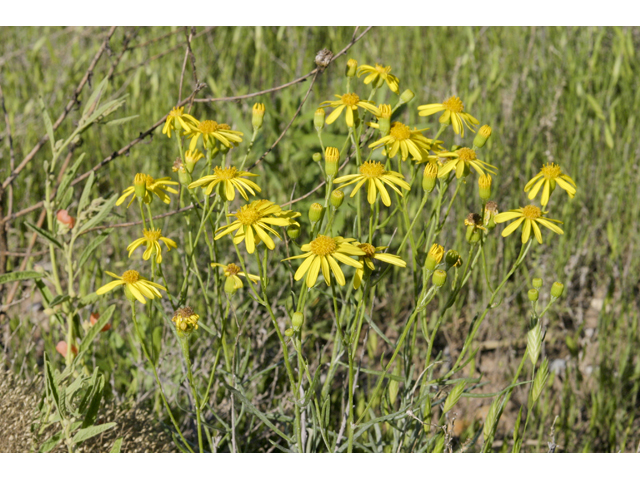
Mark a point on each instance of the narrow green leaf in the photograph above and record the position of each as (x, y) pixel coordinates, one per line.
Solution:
(89, 249)
(48, 236)
(58, 299)
(50, 384)
(52, 442)
(86, 433)
(86, 193)
(116, 446)
(17, 276)
(120, 121)
(94, 405)
(48, 126)
(94, 331)
(93, 100)
(69, 175)
(104, 211)
(454, 396)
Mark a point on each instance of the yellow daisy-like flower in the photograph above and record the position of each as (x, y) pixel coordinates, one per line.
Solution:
(532, 217)
(212, 131)
(454, 114)
(379, 74)
(135, 284)
(461, 161)
(550, 175)
(376, 176)
(230, 179)
(235, 272)
(406, 141)
(323, 253)
(158, 187)
(186, 320)
(350, 102)
(178, 120)
(253, 222)
(371, 254)
(151, 241)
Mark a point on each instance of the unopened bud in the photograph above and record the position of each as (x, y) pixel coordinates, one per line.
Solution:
(474, 227)
(65, 219)
(257, 116)
(533, 295)
(407, 96)
(317, 157)
(352, 66)
(482, 136)
(140, 185)
(484, 182)
(434, 257)
(556, 289)
(331, 159)
(315, 212)
(384, 120)
(293, 231)
(439, 278)
(318, 119)
(453, 259)
(230, 285)
(537, 283)
(289, 332)
(191, 157)
(297, 320)
(430, 176)
(337, 196)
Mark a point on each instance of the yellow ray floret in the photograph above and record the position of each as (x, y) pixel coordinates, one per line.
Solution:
(234, 271)
(550, 175)
(371, 254)
(151, 240)
(349, 102)
(454, 114)
(254, 222)
(324, 253)
(376, 177)
(151, 186)
(178, 120)
(231, 180)
(212, 131)
(138, 286)
(379, 74)
(532, 217)
(462, 160)
(406, 141)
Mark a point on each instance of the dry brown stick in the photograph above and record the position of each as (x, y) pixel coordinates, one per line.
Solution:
(20, 254)
(285, 85)
(64, 114)
(154, 40)
(125, 46)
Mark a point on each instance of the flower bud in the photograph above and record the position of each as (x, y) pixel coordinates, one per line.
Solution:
(430, 177)
(191, 157)
(537, 283)
(61, 348)
(533, 295)
(297, 320)
(65, 219)
(293, 231)
(140, 185)
(230, 285)
(331, 158)
(474, 227)
(318, 119)
(406, 96)
(315, 212)
(352, 66)
(434, 257)
(289, 332)
(337, 196)
(317, 157)
(490, 211)
(439, 278)
(257, 117)
(482, 136)
(484, 182)
(384, 120)
(453, 259)
(556, 290)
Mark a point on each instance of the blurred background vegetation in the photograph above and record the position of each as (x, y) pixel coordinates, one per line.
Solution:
(567, 95)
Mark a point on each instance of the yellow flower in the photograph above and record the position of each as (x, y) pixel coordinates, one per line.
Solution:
(370, 254)
(549, 175)
(191, 157)
(531, 216)
(454, 114)
(376, 176)
(210, 131)
(186, 320)
(158, 187)
(402, 139)
(461, 160)
(151, 240)
(135, 284)
(323, 253)
(230, 179)
(379, 74)
(233, 271)
(254, 220)
(178, 120)
(351, 102)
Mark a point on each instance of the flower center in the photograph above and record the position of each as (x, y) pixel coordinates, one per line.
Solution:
(225, 173)
(400, 131)
(152, 235)
(231, 269)
(372, 169)
(453, 104)
(466, 154)
(531, 212)
(209, 126)
(367, 248)
(130, 276)
(323, 245)
(248, 215)
(551, 171)
(350, 99)
(382, 69)
(149, 181)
